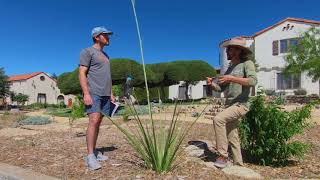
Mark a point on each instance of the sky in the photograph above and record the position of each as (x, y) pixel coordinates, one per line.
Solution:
(48, 35)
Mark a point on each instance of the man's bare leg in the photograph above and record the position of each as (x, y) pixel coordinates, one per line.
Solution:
(97, 133)
(93, 128)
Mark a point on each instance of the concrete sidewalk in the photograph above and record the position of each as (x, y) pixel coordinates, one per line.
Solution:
(9, 172)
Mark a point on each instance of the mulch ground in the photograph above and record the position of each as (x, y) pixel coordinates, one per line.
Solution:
(60, 154)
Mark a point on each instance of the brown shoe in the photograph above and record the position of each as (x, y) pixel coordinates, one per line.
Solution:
(221, 162)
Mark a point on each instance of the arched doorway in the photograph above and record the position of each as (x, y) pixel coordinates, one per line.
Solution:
(60, 99)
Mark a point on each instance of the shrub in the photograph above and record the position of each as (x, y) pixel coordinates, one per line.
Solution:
(266, 132)
(125, 111)
(261, 90)
(279, 98)
(34, 120)
(78, 109)
(300, 92)
(270, 92)
(60, 112)
(155, 142)
(168, 101)
(35, 106)
(20, 98)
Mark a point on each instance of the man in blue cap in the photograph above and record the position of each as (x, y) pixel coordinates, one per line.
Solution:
(96, 84)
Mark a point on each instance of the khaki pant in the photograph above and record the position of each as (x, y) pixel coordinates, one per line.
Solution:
(226, 129)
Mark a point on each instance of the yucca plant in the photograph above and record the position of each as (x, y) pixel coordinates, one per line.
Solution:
(156, 143)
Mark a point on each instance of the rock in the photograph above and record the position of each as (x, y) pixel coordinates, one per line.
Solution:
(18, 138)
(194, 151)
(191, 147)
(209, 143)
(209, 164)
(181, 177)
(242, 172)
(139, 176)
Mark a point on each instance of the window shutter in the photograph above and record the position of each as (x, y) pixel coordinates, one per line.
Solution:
(275, 48)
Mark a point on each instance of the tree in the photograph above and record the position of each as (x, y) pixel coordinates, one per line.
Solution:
(161, 74)
(68, 83)
(4, 84)
(121, 68)
(305, 56)
(161, 69)
(20, 98)
(191, 72)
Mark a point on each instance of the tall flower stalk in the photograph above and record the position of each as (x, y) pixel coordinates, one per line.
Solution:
(142, 56)
(159, 144)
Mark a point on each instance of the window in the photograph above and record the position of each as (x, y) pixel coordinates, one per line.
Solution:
(286, 43)
(293, 42)
(283, 46)
(288, 82)
(42, 98)
(42, 78)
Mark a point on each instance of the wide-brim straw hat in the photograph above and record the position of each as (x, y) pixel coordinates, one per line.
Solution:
(239, 42)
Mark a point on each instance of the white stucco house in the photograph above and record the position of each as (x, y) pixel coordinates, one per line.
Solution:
(197, 91)
(40, 88)
(270, 47)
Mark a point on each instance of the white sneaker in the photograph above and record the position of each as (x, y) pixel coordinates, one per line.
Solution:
(92, 162)
(100, 156)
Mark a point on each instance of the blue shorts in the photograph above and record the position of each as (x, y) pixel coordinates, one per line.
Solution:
(101, 104)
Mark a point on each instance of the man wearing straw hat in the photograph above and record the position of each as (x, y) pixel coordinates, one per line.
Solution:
(96, 84)
(236, 84)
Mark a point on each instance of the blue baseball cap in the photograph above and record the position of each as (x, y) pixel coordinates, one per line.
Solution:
(100, 30)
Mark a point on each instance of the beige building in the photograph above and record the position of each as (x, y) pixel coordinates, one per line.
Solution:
(40, 88)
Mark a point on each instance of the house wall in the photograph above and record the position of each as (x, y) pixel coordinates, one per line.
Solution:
(174, 91)
(33, 86)
(195, 91)
(270, 64)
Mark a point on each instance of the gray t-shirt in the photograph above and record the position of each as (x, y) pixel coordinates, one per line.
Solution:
(99, 74)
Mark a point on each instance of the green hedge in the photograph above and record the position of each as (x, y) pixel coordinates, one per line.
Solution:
(141, 95)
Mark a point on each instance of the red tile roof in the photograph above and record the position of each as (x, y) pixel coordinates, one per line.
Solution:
(26, 76)
(23, 76)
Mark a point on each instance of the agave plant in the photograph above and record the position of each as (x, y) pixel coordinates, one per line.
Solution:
(156, 143)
